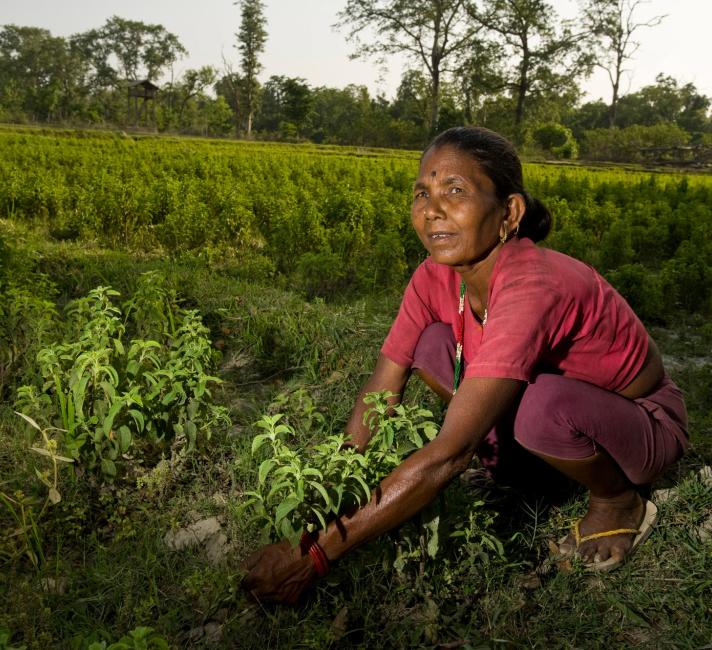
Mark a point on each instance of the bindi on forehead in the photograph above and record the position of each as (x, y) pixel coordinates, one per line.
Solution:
(433, 174)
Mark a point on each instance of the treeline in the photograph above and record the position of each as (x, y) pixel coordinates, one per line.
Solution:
(511, 65)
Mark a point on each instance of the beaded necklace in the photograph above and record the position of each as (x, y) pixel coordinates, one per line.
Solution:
(461, 336)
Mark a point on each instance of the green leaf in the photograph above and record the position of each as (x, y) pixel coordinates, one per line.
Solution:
(434, 541)
(265, 468)
(44, 452)
(124, 439)
(284, 508)
(108, 467)
(288, 531)
(340, 495)
(138, 418)
(320, 517)
(324, 494)
(29, 420)
(258, 441)
(191, 433)
(268, 421)
(276, 487)
(364, 485)
(42, 478)
(109, 421)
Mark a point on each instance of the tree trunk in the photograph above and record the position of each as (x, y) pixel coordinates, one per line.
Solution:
(613, 108)
(435, 101)
(522, 86)
(521, 92)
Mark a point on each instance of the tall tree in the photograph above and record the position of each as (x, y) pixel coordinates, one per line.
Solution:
(193, 84)
(230, 87)
(614, 24)
(432, 32)
(481, 76)
(251, 43)
(128, 49)
(545, 51)
(666, 102)
(287, 106)
(41, 75)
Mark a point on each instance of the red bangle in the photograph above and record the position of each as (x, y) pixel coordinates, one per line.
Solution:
(308, 544)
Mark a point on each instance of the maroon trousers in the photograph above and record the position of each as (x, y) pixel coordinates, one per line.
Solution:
(570, 419)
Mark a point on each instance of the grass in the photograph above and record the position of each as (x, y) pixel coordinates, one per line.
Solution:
(108, 570)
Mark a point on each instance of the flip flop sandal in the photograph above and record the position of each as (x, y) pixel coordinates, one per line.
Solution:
(650, 516)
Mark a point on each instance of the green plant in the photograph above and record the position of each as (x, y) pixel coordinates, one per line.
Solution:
(26, 538)
(556, 140)
(140, 638)
(300, 489)
(112, 397)
(5, 636)
(27, 323)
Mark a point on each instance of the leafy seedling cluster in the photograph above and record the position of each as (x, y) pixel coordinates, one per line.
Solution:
(301, 488)
(115, 399)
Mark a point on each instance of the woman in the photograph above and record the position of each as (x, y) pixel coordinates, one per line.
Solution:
(537, 356)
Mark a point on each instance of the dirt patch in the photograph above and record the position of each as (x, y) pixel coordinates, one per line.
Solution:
(206, 533)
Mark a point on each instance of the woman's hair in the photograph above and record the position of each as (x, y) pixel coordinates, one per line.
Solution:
(498, 159)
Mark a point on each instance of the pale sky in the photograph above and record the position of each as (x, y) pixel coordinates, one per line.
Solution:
(302, 43)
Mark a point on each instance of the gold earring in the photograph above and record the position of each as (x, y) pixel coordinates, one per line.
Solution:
(516, 231)
(503, 238)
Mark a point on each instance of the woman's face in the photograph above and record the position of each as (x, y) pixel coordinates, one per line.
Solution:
(455, 210)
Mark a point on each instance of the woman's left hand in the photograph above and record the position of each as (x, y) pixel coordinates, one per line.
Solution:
(279, 573)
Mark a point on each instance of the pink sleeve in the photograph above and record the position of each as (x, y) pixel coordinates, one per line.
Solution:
(414, 315)
(519, 328)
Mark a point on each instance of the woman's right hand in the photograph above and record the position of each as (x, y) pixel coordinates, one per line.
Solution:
(279, 573)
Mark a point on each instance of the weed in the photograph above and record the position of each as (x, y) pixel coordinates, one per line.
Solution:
(26, 539)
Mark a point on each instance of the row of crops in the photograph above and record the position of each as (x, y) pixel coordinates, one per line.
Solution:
(335, 220)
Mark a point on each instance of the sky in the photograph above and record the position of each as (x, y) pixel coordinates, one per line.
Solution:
(302, 42)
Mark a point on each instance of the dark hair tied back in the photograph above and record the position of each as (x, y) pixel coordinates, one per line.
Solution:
(536, 222)
(497, 158)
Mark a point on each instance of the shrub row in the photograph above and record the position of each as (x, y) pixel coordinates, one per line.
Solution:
(332, 222)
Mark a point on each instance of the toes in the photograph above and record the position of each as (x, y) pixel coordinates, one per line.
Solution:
(592, 553)
(603, 554)
(619, 553)
(568, 545)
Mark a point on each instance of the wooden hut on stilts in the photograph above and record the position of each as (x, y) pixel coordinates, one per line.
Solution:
(142, 110)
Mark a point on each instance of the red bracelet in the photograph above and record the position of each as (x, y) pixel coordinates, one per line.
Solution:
(308, 544)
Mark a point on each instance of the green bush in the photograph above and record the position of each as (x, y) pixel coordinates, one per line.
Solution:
(112, 395)
(301, 489)
(556, 140)
(642, 289)
(321, 274)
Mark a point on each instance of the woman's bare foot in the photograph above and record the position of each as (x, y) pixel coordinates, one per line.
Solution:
(625, 510)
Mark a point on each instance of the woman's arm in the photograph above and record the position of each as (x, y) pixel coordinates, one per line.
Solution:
(386, 376)
(281, 573)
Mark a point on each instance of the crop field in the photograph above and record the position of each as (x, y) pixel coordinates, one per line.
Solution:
(184, 325)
